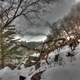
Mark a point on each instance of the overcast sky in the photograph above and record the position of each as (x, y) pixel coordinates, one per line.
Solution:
(37, 33)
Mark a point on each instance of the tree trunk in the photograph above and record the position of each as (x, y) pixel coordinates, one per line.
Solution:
(1, 49)
(2, 61)
(44, 56)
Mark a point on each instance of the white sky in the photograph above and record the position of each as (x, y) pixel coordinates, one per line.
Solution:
(77, 0)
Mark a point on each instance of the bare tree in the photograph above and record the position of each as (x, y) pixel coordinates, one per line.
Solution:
(12, 9)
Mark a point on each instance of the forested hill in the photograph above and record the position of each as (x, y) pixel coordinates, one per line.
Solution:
(31, 44)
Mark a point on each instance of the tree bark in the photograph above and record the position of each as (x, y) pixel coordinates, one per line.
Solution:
(2, 61)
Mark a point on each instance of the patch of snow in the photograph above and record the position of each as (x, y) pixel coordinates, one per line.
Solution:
(8, 74)
(68, 72)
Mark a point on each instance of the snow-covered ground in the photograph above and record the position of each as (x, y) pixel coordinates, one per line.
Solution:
(70, 70)
(8, 74)
(67, 71)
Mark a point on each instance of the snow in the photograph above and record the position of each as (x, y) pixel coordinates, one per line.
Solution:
(8, 74)
(26, 71)
(67, 71)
